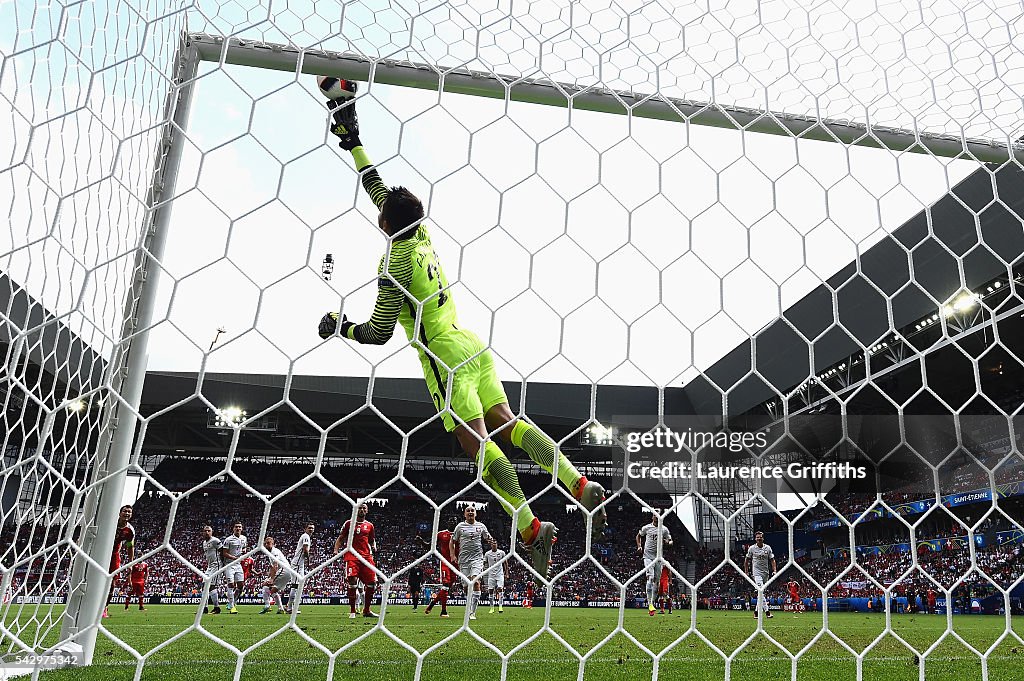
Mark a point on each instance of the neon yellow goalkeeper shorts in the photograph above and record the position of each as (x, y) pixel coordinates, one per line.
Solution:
(475, 387)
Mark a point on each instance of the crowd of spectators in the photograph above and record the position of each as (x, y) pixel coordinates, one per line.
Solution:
(168, 537)
(403, 528)
(999, 567)
(964, 479)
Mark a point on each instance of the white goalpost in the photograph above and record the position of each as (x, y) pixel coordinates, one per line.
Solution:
(651, 230)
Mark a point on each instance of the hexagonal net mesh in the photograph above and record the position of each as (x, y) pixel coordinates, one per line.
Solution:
(84, 102)
(799, 226)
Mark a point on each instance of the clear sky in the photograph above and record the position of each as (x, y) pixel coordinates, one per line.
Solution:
(584, 247)
(562, 248)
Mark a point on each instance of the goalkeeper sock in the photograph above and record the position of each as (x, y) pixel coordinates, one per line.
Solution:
(294, 597)
(214, 599)
(501, 599)
(543, 451)
(266, 596)
(500, 476)
(231, 598)
(352, 599)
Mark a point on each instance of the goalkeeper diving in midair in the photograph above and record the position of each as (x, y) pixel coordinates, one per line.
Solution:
(413, 291)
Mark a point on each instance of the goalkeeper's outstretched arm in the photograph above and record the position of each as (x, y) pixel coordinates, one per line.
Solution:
(370, 178)
(397, 279)
(391, 289)
(345, 127)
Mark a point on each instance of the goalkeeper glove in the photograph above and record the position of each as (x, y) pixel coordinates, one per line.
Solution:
(346, 125)
(329, 324)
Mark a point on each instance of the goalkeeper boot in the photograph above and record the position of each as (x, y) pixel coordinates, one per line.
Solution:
(591, 497)
(540, 549)
(216, 610)
(232, 611)
(105, 613)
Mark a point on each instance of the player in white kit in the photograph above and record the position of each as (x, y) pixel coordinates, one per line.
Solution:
(468, 548)
(234, 545)
(760, 563)
(212, 552)
(278, 579)
(497, 573)
(647, 543)
(300, 563)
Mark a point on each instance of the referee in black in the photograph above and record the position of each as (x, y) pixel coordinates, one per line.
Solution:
(415, 585)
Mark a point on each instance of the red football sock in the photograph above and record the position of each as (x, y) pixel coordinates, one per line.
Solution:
(578, 492)
(444, 600)
(352, 598)
(530, 533)
(368, 597)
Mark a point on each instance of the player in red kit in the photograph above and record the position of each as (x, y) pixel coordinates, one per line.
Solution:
(663, 589)
(123, 537)
(138, 584)
(444, 543)
(794, 596)
(247, 564)
(528, 603)
(363, 545)
(931, 601)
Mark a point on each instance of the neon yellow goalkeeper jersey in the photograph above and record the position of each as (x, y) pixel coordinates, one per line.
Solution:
(413, 267)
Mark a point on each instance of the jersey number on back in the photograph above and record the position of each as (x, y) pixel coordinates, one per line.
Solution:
(434, 272)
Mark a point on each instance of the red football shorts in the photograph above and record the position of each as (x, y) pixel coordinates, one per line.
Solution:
(354, 568)
(447, 576)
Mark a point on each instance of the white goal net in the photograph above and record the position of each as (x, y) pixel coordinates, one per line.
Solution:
(800, 222)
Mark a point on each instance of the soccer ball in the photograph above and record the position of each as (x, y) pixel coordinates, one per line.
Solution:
(336, 88)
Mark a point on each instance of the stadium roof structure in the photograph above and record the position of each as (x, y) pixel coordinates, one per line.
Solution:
(50, 345)
(561, 409)
(912, 271)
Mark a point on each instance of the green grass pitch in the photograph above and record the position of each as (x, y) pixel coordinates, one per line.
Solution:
(289, 655)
